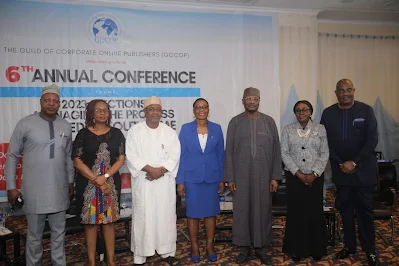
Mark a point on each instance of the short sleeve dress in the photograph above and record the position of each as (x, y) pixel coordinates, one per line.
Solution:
(99, 153)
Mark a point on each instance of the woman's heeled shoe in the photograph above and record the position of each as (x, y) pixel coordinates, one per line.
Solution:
(212, 257)
(195, 259)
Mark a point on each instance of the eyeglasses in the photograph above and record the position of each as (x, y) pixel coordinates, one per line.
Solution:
(153, 110)
(343, 91)
(251, 99)
(50, 100)
(199, 107)
(301, 111)
(99, 110)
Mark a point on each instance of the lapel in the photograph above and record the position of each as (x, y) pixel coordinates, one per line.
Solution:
(194, 135)
(211, 136)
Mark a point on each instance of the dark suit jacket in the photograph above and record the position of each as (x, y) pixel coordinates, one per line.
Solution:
(197, 166)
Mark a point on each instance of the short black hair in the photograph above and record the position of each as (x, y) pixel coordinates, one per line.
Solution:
(304, 102)
(342, 82)
(200, 99)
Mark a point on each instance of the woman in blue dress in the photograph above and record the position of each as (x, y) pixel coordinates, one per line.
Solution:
(200, 176)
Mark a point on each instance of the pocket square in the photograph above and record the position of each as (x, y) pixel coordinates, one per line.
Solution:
(358, 121)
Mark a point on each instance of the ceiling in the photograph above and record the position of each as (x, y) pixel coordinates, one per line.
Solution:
(341, 10)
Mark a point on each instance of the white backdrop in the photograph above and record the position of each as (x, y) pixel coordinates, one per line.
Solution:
(91, 51)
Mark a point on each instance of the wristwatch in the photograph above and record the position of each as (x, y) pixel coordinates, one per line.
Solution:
(106, 176)
(164, 170)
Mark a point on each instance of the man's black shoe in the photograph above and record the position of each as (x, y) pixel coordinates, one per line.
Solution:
(261, 254)
(344, 253)
(373, 259)
(243, 256)
(295, 259)
(317, 258)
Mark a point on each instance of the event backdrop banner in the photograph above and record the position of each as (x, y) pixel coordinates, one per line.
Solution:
(125, 55)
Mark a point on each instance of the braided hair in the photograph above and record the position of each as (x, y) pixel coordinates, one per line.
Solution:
(90, 110)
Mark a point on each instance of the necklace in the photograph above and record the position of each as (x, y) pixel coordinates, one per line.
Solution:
(303, 133)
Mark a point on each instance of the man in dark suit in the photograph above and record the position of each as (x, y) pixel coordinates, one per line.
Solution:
(352, 137)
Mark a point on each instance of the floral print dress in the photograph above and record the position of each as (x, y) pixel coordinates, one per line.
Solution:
(98, 152)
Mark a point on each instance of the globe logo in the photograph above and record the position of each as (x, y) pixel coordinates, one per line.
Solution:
(104, 28)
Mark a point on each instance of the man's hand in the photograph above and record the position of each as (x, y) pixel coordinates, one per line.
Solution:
(155, 173)
(12, 196)
(105, 189)
(181, 190)
(348, 167)
(99, 181)
(273, 185)
(221, 188)
(70, 190)
(232, 187)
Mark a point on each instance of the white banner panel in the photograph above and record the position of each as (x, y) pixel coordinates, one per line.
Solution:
(125, 55)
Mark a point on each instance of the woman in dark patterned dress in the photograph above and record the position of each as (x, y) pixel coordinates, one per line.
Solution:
(98, 154)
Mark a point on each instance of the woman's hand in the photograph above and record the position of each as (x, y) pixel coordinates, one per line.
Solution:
(100, 180)
(301, 177)
(181, 190)
(310, 178)
(221, 188)
(105, 189)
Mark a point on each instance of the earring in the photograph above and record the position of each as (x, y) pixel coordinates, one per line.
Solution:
(94, 121)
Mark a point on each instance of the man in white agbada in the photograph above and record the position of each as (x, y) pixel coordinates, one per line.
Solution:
(152, 155)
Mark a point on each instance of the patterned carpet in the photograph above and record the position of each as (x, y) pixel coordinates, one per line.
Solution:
(389, 255)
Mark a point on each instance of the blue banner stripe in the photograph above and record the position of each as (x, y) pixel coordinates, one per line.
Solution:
(19, 92)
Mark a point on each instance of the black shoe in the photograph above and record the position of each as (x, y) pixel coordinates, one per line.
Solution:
(317, 258)
(344, 253)
(261, 254)
(243, 256)
(295, 259)
(373, 259)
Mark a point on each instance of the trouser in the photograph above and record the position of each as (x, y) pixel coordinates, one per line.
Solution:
(34, 246)
(141, 260)
(357, 200)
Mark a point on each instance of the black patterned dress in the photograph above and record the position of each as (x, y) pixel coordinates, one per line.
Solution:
(99, 153)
